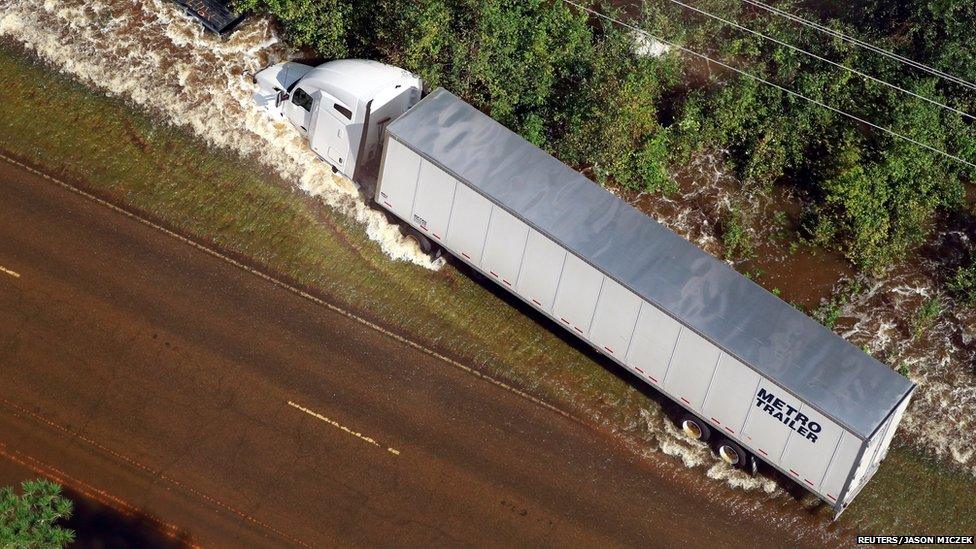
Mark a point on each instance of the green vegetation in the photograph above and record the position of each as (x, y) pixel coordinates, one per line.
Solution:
(573, 85)
(736, 241)
(869, 194)
(29, 520)
(926, 315)
(963, 283)
(103, 145)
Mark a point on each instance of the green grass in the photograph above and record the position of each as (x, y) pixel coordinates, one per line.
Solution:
(128, 156)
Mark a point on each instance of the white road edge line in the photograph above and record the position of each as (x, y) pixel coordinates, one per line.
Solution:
(298, 291)
(9, 272)
(342, 427)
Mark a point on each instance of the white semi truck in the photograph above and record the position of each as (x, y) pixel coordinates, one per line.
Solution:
(750, 374)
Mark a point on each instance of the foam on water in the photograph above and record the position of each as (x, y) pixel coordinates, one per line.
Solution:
(152, 54)
(884, 318)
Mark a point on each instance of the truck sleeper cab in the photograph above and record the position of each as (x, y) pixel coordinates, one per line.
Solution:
(340, 107)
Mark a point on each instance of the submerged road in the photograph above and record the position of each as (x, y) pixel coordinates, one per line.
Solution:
(162, 380)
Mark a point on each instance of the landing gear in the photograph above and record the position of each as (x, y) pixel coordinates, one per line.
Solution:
(753, 467)
(424, 243)
(695, 428)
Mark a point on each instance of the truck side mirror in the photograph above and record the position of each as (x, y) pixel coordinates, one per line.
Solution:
(282, 96)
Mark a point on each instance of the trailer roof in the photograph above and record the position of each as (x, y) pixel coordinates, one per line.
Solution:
(703, 293)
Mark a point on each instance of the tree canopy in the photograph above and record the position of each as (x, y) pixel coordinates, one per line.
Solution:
(29, 520)
(575, 85)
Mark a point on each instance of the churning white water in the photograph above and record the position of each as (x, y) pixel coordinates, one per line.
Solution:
(149, 52)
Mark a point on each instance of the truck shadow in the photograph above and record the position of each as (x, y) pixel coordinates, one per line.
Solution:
(99, 526)
(672, 410)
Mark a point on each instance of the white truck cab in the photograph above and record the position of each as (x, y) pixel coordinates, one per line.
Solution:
(340, 107)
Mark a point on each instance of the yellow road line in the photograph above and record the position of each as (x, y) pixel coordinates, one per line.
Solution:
(9, 272)
(342, 427)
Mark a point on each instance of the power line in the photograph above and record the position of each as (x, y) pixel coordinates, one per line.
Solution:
(821, 58)
(850, 39)
(773, 84)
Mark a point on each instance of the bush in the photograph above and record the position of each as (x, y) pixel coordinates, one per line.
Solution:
(28, 520)
(963, 284)
(320, 24)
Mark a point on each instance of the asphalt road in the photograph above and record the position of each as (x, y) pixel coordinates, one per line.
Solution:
(161, 380)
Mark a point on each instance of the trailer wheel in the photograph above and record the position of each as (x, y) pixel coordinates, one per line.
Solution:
(422, 242)
(695, 428)
(733, 454)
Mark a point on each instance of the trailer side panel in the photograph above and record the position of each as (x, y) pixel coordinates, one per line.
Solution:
(541, 269)
(469, 224)
(738, 399)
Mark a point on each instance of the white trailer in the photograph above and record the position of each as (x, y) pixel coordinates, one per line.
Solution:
(752, 374)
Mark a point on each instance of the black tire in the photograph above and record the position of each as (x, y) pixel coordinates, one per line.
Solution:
(425, 244)
(694, 427)
(733, 454)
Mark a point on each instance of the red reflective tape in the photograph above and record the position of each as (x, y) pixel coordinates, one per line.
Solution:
(608, 348)
(436, 236)
(424, 228)
(686, 400)
(506, 282)
(808, 482)
(763, 452)
(794, 472)
(577, 329)
(537, 303)
(831, 497)
(654, 379)
(493, 273)
(730, 430)
(638, 369)
(466, 255)
(564, 320)
(387, 203)
(716, 421)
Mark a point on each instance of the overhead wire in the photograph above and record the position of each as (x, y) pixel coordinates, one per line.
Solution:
(858, 42)
(762, 80)
(822, 58)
